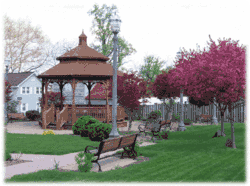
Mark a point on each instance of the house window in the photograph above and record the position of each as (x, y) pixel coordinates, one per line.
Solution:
(28, 90)
(23, 90)
(38, 107)
(40, 90)
(37, 90)
(24, 107)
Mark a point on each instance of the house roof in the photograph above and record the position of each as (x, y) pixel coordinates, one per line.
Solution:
(98, 92)
(16, 78)
(82, 61)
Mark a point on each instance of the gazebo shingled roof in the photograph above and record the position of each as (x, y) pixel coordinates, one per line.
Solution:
(82, 51)
(82, 61)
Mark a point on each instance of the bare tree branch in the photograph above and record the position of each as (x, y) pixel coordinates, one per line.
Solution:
(25, 45)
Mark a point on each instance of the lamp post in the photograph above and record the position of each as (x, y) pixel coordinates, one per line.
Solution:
(7, 63)
(181, 126)
(115, 27)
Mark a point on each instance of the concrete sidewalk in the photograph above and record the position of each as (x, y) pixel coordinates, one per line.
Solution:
(65, 162)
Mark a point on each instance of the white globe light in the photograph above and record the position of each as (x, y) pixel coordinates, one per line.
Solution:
(115, 22)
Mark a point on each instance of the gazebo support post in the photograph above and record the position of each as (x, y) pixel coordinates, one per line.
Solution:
(73, 84)
(45, 106)
(46, 95)
(61, 89)
(43, 100)
(89, 87)
(107, 101)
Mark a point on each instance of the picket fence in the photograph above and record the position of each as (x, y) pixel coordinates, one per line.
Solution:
(190, 112)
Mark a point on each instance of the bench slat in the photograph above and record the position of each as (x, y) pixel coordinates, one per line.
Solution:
(127, 141)
(111, 145)
(14, 116)
(206, 117)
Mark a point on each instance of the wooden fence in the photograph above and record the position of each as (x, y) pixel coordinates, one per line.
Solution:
(190, 111)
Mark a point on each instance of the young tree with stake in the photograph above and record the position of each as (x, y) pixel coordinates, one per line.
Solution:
(130, 89)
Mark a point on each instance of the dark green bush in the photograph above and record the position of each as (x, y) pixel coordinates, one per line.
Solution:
(32, 115)
(99, 131)
(80, 126)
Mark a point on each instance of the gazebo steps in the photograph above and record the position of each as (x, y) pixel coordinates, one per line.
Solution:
(51, 126)
(121, 124)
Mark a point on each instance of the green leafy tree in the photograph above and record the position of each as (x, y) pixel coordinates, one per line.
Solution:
(101, 28)
(151, 68)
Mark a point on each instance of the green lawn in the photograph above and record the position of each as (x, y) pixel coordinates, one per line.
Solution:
(189, 156)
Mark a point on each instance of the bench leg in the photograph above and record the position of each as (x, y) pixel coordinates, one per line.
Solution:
(131, 153)
(100, 170)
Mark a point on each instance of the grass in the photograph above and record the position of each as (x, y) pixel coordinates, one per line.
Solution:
(47, 145)
(189, 156)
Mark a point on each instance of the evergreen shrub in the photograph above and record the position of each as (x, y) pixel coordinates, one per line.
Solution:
(80, 126)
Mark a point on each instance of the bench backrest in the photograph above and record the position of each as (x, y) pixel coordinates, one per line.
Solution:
(157, 125)
(117, 143)
(206, 116)
(166, 123)
(128, 140)
(109, 145)
(16, 115)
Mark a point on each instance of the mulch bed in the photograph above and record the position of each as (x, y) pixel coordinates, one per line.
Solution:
(14, 162)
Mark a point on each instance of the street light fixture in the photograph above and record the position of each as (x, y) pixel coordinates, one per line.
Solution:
(7, 63)
(115, 27)
(181, 126)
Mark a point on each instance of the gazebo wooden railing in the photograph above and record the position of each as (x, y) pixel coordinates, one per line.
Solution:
(100, 113)
(49, 116)
(65, 116)
(61, 117)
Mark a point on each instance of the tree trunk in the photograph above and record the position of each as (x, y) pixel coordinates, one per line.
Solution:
(232, 126)
(130, 121)
(222, 123)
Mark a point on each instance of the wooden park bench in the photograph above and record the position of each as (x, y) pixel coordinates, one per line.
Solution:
(16, 116)
(109, 145)
(154, 128)
(206, 118)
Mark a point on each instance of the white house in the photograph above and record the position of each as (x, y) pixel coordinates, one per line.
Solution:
(26, 89)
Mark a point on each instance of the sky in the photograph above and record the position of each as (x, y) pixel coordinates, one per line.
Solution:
(156, 28)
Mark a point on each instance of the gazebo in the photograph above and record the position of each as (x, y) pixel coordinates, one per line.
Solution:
(84, 65)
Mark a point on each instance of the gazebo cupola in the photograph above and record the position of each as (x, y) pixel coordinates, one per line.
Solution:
(82, 39)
